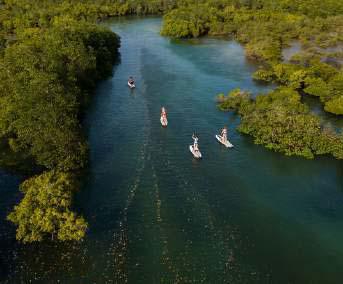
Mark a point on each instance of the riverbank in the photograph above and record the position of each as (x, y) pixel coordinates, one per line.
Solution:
(49, 66)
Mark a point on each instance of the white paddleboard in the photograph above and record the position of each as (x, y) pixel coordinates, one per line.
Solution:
(227, 144)
(164, 121)
(131, 85)
(197, 154)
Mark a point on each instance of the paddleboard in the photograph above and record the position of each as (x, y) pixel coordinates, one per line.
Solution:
(227, 144)
(197, 154)
(164, 122)
(131, 85)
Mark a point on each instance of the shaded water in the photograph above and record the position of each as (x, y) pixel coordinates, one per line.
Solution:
(242, 215)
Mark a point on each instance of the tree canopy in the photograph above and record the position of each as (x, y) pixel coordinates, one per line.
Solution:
(265, 28)
(45, 209)
(282, 123)
(50, 62)
(279, 120)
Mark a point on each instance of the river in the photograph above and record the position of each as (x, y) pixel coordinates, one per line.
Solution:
(156, 215)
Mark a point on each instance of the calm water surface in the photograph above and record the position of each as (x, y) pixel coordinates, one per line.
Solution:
(244, 215)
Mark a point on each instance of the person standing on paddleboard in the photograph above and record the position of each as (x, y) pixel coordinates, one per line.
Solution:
(224, 134)
(195, 145)
(163, 113)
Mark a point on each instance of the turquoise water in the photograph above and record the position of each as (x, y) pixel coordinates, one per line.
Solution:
(156, 215)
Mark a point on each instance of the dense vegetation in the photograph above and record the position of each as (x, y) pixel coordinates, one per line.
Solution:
(265, 27)
(45, 209)
(312, 77)
(282, 123)
(50, 62)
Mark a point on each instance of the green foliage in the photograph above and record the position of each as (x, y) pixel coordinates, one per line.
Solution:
(53, 56)
(236, 100)
(45, 209)
(313, 77)
(43, 81)
(317, 87)
(297, 79)
(184, 23)
(268, 50)
(265, 27)
(322, 70)
(282, 123)
(335, 105)
(283, 73)
(263, 75)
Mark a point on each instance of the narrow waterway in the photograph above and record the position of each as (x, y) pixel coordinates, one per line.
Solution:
(156, 215)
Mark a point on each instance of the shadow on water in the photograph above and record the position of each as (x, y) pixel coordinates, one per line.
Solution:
(16, 163)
